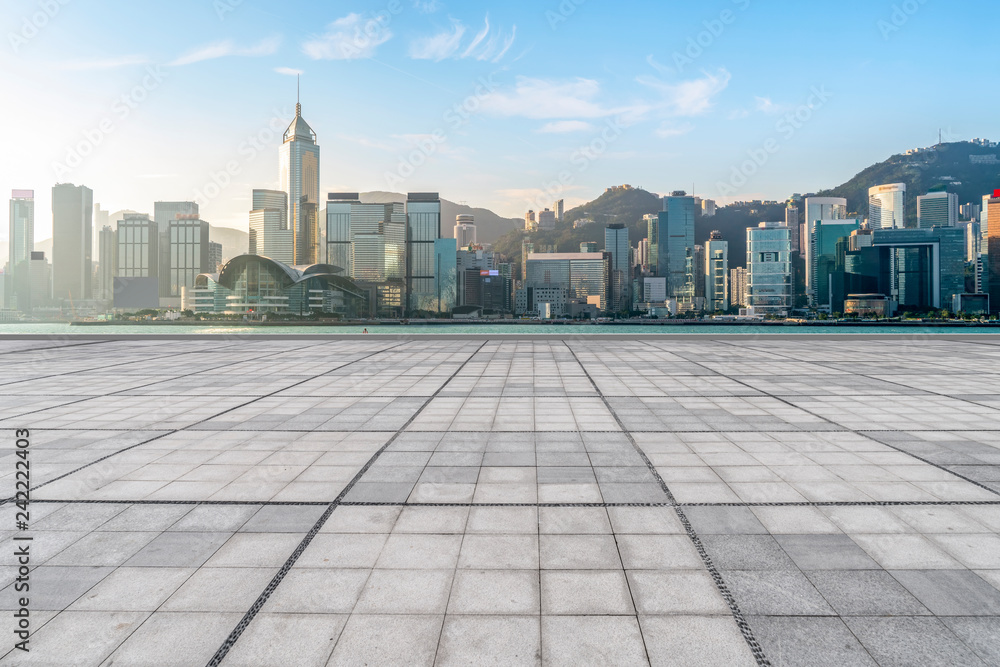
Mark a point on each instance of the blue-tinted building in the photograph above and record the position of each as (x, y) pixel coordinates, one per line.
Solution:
(445, 275)
(921, 268)
(616, 244)
(826, 234)
(675, 246)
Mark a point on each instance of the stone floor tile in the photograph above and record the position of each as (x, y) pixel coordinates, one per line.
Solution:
(695, 641)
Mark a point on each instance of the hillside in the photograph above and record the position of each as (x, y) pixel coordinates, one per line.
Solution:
(945, 165)
(489, 225)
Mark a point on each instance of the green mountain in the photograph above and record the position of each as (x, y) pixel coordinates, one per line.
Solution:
(942, 167)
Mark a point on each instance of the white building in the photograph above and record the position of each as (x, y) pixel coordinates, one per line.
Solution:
(717, 273)
(937, 209)
(769, 269)
(887, 206)
(465, 231)
(270, 235)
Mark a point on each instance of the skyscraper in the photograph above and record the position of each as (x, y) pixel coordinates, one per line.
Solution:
(269, 232)
(675, 245)
(106, 268)
(187, 253)
(423, 228)
(823, 248)
(72, 242)
(937, 209)
(716, 273)
(465, 230)
(21, 243)
(994, 251)
(560, 208)
(817, 208)
(338, 228)
(792, 222)
(164, 213)
(616, 243)
(769, 269)
(887, 206)
(300, 181)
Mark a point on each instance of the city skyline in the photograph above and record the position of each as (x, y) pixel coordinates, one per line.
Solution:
(519, 123)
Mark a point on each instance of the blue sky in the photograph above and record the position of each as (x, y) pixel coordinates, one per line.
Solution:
(507, 105)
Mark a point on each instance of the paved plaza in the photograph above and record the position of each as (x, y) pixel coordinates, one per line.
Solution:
(474, 501)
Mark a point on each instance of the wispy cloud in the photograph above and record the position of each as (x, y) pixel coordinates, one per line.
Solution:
(566, 126)
(440, 46)
(108, 63)
(487, 44)
(689, 98)
(227, 48)
(428, 6)
(543, 99)
(288, 71)
(669, 130)
(348, 38)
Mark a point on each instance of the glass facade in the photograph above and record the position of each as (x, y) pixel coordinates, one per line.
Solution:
(926, 267)
(189, 253)
(445, 275)
(675, 246)
(818, 208)
(338, 229)
(616, 243)
(823, 248)
(937, 209)
(887, 206)
(137, 247)
(583, 275)
(769, 269)
(423, 228)
(716, 274)
(299, 157)
(21, 240)
(270, 235)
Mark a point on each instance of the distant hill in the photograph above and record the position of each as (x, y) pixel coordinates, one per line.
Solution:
(489, 225)
(946, 166)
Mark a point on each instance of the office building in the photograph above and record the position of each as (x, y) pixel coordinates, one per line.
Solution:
(423, 228)
(270, 235)
(887, 206)
(817, 208)
(921, 268)
(716, 273)
(737, 287)
(72, 242)
(708, 208)
(106, 265)
(465, 230)
(214, 256)
(616, 244)
(187, 253)
(993, 251)
(560, 209)
(823, 249)
(339, 206)
(582, 275)
(769, 269)
(378, 243)
(137, 283)
(445, 275)
(589, 246)
(299, 158)
(546, 220)
(672, 245)
(21, 243)
(40, 280)
(937, 209)
(479, 280)
(792, 222)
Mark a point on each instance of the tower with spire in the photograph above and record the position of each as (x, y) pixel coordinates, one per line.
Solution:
(299, 155)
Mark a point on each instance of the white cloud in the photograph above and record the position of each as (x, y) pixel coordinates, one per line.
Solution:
(348, 38)
(265, 47)
(765, 104)
(109, 63)
(428, 6)
(485, 45)
(667, 130)
(440, 46)
(738, 114)
(689, 98)
(566, 126)
(288, 71)
(544, 100)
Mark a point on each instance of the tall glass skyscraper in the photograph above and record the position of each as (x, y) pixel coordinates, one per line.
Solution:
(21, 242)
(823, 248)
(769, 268)
(72, 242)
(937, 209)
(675, 246)
(887, 206)
(338, 228)
(616, 243)
(818, 208)
(423, 228)
(445, 274)
(270, 235)
(300, 180)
